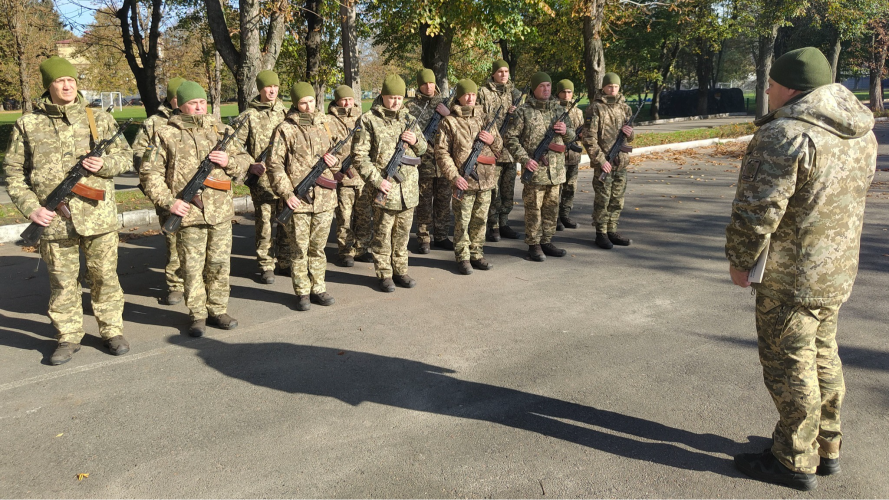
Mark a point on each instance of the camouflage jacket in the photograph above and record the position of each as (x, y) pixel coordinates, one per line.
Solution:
(173, 157)
(454, 144)
(576, 117)
(262, 118)
(428, 167)
(146, 132)
(43, 147)
(803, 181)
(490, 97)
(373, 147)
(528, 127)
(341, 123)
(605, 116)
(298, 143)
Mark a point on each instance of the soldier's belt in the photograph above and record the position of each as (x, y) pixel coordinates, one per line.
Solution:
(324, 182)
(218, 184)
(85, 191)
(410, 160)
(487, 160)
(558, 148)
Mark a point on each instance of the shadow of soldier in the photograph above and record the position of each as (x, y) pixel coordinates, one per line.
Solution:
(358, 377)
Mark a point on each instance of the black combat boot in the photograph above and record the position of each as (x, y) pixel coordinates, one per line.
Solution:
(508, 232)
(198, 328)
(346, 261)
(223, 321)
(444, 244)
(387, 285)
(828, 466)
(117, 345)
(303, 303)
(619, 240)
(765, 467)
(493, 235)
(267, 277)
(404, 281)
(465, 267)
(366, 257)
(481, 264)
(602, 241)
(174, 297)
(551, 250)
(568, 222)
(535, 253)
(63, 353)
(423, 247)
(559, 225)
(322, 299)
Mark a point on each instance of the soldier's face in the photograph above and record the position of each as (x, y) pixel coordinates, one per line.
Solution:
(468, 99)
(392, 102)
(63, 90)
(194, 107)
(611, 89)
(427, 88)
(779, 94)
(268, 94)
(501, 75)
(346, 102)
(306, 104)
(566, 95)
(543, 91)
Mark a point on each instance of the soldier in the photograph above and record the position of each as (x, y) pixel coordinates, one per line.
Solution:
(605, 118)
(802, 185)
(565, 92)
(263, 114)
(541, 194)
(500, 91)
(204, 242)
(354, 210)
(303, 137)
(172, 272)
(434, 210)
(43, 147)
(381, 128)
(453, 145)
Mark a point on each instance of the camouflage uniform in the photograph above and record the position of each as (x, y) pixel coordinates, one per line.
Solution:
(605, 116)
(453, 145)
(299, 142)
(354, 211)
(541, 194)
(803, 181)
(43, 147)
(434, 209)
(373, 147)
(572, 165)
(172, 272)
(490, 97)
(205, 237)
(262, 118)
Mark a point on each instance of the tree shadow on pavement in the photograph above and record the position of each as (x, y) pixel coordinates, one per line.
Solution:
(358, 377)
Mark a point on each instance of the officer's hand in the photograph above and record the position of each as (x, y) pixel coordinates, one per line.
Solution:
(293, 202)
(180, 208)
(256, 168)
(385, 186)
(461, 184)
(219, 157)
(442, 109)
(531, 165)
(628, 130)
(511, 109)
(329, 159)
(93, 163)
(409, 137)
(560, 128)
(739, 277)
(42, 216)
(606, 167)
(486, 137)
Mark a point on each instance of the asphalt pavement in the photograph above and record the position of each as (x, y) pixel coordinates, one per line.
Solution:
(623, 373)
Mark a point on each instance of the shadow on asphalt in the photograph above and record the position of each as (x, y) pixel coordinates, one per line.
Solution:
(358, 377)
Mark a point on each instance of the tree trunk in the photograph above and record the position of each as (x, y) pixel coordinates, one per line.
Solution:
(142, 61)
(351, 65)
(436, 55)
(880, 48)
(703, 69)
(314, 22)
(766, 51)
(509, 56)
(835, 57)
(593, 53)
(15, 21)
(668, 57)
(216, 85)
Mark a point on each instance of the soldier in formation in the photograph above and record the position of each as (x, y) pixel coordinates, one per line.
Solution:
(42, 149)
(565, 93)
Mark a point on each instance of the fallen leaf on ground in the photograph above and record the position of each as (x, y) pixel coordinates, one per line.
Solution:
(82, 476)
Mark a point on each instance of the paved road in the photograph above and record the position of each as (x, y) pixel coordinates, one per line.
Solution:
(629, 373)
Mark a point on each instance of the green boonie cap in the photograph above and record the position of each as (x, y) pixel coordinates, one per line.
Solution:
(189, 90)
(173, 86)
(499, 63)
(266, 78)
(301, 90)
(343, 91)
(610, 79)
(393, 85)
(565, 84)
(54, 68)
(465, 86)
(425, 75)
(802, 69)
(538, 78)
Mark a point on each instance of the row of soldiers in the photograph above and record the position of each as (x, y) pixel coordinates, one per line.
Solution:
(277, 148)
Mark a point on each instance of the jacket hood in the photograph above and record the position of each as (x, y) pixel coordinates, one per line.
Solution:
(385, 112)
(258, 105)
(831, 107)
(183, 121)
(499, 87)
(610, 99)
(304, 119)
(45, 105)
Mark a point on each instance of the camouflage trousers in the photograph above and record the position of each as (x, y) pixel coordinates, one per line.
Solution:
(65, 303)
(469, 224)
(392, 230)
(172, 273)
(205, 254)
(308, 263)
(609, 199)
(566, 202)
(541, 212)
(265, 209)
(804, 375)
(503, 195)
(354, 219)
(434, 210)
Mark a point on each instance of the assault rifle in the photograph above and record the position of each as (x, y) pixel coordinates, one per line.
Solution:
(192, 191)
(391, 173)
(470, 163)
(71, 184)
(252, 179)
(546, 143)
(435, 121)
(303, 190)
(620, 144)
(508, 117)
(573, 145)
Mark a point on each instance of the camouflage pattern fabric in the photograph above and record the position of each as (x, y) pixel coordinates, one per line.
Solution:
(427, 167)
(527, 130)
(492, 96)
(572, 163)
(541, 212)
(270, 249)
(62, 258)
(354, 220)
(503, 194)
(342, 121)
(389, 246)
(454, 143)
(172, 271)
(205, 256)
(609, 200)
(309, 263)
(605, 116)
(433, 209)
(146, 132)
(470, 220)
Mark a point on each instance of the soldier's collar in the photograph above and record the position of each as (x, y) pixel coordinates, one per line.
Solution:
(499, 87)
(63, 110)
(610, 99)
(194, 121)
(539, 103)
(465, 111)
(388, 113)
(340, 111)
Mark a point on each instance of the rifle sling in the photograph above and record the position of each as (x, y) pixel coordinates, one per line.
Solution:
(90, 193)
(91, 119)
